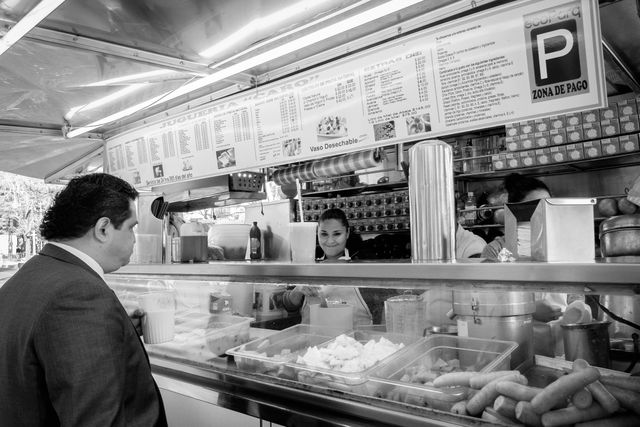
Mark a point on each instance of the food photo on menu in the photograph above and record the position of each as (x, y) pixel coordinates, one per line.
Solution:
(226, 158)
(291, 147)
(332, 127)
(384, 130)
(418, 124)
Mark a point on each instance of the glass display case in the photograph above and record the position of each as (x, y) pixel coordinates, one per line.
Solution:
(232, 337)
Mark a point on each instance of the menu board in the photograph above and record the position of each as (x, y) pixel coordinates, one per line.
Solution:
(515, 62)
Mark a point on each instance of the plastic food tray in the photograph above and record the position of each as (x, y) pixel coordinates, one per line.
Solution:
(473, 354)
(346, 381)
(201, 336)
(268, 355)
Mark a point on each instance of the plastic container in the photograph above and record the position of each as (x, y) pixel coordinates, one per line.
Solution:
(269, 355)
(347, 381)
(424, 361)
(232, 238)
(200, 336)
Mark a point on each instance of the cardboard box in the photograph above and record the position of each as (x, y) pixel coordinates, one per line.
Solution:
(629, 143)
(557, 136)
(512, 129)
(610, 127)
(592, 149)
(574, 119)
(512, 160)
(629, 124)
(541, 125)
(574, 134)
(610, 146)
(562, 230)
(590, 116)
(558, 154)
(610, 112)
(512, 143)
(499, 161)
(526, 127)
(527, 142)
(627, 107)
(575, 152)
(542, 156)
(528, 158)
(591, 131)
(557, 122)
(541, 139)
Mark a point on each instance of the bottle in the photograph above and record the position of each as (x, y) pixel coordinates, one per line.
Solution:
(469, 207)
(254, 241)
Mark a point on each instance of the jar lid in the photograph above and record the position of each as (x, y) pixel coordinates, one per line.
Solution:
(620, 222)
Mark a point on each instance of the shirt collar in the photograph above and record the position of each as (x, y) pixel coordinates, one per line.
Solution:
(92, 263)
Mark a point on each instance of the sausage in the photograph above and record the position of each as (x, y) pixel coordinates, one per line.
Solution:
(490, 414)
(488, 394)
(454, 379)
(572, 415)
(482, 379)
(559, 390)
(517, 391)
(598, 391)
(459, 408)
(526, 414)
(628, 399)
(582, 398)
(628, 383)
(620, 420)
(505, 406)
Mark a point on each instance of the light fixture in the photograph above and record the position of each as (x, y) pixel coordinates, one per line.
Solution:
(105, 100)
(261, 23)
(128, 79)
(289, 33)
(347, 24)
(30, 20)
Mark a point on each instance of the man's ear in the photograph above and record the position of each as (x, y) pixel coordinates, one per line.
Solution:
(101, 229)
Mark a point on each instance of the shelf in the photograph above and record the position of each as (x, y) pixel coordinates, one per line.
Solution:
(586, 165)
(602, 276)
(351, 191)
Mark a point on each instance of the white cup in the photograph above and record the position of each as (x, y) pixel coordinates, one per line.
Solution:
(302, 239)
(337, 316)
(159, 316)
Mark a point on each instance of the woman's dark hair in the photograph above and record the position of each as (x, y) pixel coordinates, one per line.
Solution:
(335, 213)
(518, 186)
(78, 206)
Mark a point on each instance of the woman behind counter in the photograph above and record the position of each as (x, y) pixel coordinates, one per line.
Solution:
(334, 238)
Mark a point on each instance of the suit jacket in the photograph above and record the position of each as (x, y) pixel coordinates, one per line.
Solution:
(69, 354)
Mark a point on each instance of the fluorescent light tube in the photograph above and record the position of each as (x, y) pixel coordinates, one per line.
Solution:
(277, 52)
(30, 20)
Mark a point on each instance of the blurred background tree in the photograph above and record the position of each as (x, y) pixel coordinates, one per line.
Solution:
(23, 202)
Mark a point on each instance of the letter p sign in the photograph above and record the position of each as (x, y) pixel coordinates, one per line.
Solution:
(556, 55)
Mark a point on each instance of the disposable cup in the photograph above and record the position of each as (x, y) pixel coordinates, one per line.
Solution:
(159, 316)
(302, 239)
(337, 316)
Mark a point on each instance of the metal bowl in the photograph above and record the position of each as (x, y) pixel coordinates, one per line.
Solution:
(620, 236)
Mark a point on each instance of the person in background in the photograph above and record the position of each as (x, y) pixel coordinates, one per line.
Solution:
(520, 188)
(333, 234)
(334, 238)
(69, 352)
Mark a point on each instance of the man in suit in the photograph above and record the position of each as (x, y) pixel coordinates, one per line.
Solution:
(69, 353)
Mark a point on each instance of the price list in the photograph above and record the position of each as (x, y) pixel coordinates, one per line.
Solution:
(289, 114)
(169, 145)
(345, 91)
(421, 78)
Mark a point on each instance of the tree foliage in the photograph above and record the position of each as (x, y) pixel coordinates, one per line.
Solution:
(23, 202)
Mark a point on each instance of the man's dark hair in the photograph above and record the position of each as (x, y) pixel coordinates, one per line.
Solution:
(519, 186)
(78, 206)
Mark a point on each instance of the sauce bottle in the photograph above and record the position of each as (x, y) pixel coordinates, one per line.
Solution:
(255, 251)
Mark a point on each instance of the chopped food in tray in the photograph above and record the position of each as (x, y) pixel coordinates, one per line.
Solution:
(345, 354)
